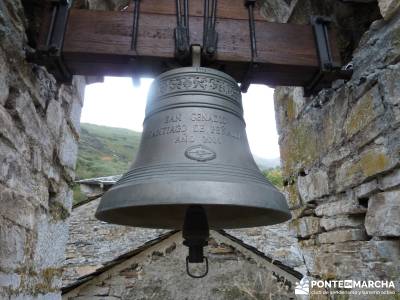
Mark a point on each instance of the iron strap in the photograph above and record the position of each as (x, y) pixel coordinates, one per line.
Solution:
(327, 66)
(253, 46)
(182, 37)
(49, 53)
(135, 26)
(210, 36)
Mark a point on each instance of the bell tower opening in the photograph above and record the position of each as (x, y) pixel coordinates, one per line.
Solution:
(198, 112)
(119, 102)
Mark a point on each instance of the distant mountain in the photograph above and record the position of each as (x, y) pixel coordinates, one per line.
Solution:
(265, 163)
(105, 151)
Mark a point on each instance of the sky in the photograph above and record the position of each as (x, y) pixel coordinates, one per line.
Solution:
(118, 103)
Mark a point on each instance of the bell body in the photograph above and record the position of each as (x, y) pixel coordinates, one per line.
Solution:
(193, 151)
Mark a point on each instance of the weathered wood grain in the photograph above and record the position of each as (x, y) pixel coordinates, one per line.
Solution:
(98, 43)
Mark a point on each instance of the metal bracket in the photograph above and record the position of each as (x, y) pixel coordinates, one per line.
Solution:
(135, 26)
(210, 35)
(327, 66)
(253, 46)
(49, 53)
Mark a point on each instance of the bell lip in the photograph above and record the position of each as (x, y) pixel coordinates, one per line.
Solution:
(102, 216)
(273, 208)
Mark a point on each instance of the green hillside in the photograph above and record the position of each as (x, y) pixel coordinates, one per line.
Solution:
(105, 151)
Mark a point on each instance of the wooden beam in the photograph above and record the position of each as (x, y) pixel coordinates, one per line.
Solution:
(98, 43)
(226, 9)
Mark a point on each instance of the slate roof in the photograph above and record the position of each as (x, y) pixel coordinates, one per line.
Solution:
(93, 243)
(129, 254)
(100, 181)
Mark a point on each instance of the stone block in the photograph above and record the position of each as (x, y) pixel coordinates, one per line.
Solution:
(336, 155)
(342, 221)
(381, 251)
(17, 207)
(4, 88)
(305, 227)
(11, 281)
(54, 115)
(96, 291)
(75, 116)
(383, 215)
(35, 296)
(313, 186)
(370, 162)
(342, 235)
(44, 89)
(36, 158)
(96, 298)
(292, 196)
(10, 132)
(342, 207)
(65, 95)
(332, 119)
(389, 86)
(368, 108)
(334, 265)
(309, 254)
(54, 234)
(274, 241)
(282, 98)
(378, 48)
(13, 242)
(277, 10)
(388, 8)
(7, 162)
(79, 84)
(52, 173)
(298, 212)
(68, 149)
(107, 5)
(391, 180)
(364, 260)
(300, 147)
(33, 125)
(366, 189)
(306, 139)
(62, 201)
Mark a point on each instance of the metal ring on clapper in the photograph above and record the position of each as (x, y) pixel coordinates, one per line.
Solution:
(196, 276)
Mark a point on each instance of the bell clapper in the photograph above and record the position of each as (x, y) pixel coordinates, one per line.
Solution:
(196, 233)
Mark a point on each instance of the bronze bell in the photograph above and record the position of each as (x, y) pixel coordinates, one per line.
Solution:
(194, 154)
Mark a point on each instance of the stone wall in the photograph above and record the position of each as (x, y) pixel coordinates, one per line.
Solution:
(275, 242)
(340, 152)
(39, 129)
(341, 162)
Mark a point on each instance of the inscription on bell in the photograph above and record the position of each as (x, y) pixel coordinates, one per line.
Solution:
(204, 117)
(194, 127)
(173, 118)
(200, 153)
